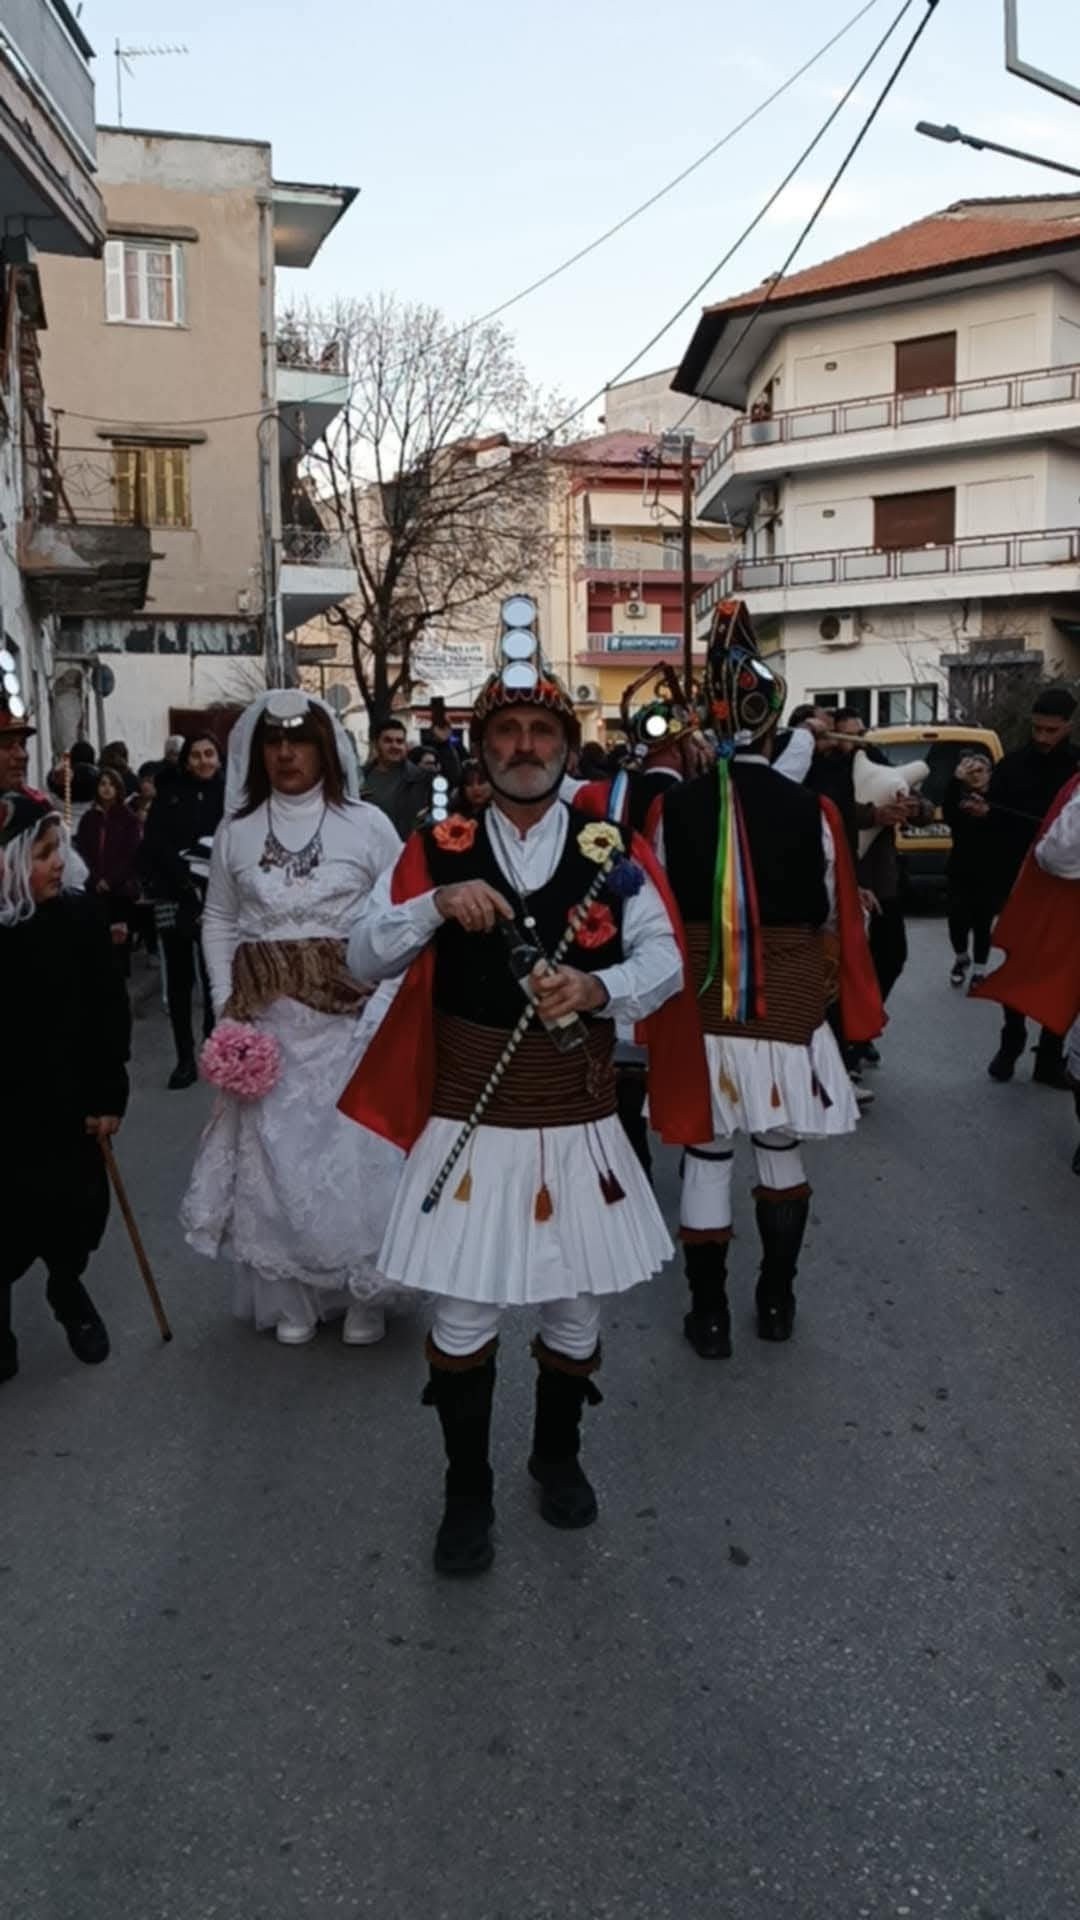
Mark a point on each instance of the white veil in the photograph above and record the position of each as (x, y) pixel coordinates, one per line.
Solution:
(240, 739)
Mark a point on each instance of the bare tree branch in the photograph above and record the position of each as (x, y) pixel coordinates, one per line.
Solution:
(436, 473)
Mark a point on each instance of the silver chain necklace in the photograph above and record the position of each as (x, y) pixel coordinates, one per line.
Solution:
(298, 865)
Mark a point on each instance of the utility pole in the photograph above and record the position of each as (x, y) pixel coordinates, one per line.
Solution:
(688, 562)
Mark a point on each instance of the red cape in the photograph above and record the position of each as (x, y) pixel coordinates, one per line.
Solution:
(1039, 930)
(862, 1010)
(391, 1090)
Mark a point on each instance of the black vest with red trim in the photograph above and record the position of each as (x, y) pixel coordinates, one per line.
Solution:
(473, 978)
(783, 831)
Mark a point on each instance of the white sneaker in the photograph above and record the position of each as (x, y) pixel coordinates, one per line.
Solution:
(363, 1325)
(863, 1096)
(295, 1333)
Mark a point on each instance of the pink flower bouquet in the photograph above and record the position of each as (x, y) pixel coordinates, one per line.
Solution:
(241, 1060)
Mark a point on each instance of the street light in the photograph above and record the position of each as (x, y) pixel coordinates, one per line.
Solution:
(952, 136)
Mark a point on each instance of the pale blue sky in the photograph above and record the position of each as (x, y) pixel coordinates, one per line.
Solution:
(491, 138)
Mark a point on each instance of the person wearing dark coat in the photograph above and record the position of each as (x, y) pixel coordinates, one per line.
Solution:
(1022, 788)
(970, 894)
(174, 863)
(108, 839)
(66, 1050)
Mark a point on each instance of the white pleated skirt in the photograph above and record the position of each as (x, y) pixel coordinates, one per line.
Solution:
(490, 1246)
(760, 1084)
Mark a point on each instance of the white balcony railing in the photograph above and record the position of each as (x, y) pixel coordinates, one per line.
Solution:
(645, 556)
(51, 46)
(313, 547)
(854, 566)
(997, 393)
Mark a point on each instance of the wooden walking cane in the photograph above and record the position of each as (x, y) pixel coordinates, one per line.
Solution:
(135, 1237)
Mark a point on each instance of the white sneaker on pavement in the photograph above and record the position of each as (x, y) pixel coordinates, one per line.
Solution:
(863, 1096)
(295, 1333)
(363, 1325)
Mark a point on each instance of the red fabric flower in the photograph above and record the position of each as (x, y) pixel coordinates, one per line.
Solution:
(597, 928)
(456, 834)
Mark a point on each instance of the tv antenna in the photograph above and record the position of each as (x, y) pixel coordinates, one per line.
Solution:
(124, 58)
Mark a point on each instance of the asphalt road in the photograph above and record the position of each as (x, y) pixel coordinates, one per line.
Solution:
(820, 1658)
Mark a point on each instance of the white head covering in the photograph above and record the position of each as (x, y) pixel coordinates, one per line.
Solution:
(286, 703)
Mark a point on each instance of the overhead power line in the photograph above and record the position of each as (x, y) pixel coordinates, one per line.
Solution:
(564, 266)
(693, 297)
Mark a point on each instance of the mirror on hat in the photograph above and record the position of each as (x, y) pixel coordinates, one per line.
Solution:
(520, 676)
(7, 661)
(440, 797)
(518, 611)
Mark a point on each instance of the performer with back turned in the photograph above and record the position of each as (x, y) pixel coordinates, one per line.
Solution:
(760, 869)
(526, 933)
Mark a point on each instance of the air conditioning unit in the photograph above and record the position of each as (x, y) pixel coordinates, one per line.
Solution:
(840, 630)
(636, 609)
(586, 694)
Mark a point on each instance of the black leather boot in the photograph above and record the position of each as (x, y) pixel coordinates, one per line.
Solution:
(1049, 1068)
(781, 1219)
(462, 1397)
(86, 1331)
(9, 1346)
(707, 1326)
(562, 1388)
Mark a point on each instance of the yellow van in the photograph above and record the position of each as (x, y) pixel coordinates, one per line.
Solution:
(924, 850)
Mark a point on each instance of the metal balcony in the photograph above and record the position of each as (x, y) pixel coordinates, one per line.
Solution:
(312, 389)
(646, 557)
(78, 553)
(973, 413)
(317, 572)
(1033, 561)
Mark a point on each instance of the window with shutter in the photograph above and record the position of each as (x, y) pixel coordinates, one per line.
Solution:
(929, 361)
(153, 485)
(144, 283)
(924, 519)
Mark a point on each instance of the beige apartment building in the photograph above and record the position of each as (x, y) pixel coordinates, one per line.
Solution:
(176, 412)
(609, 587)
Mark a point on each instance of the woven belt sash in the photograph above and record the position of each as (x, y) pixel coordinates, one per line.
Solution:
(311, 971)
(795, 992)
(541, 1086)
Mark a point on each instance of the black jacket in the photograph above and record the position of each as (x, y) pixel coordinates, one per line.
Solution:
(184, 811)
(1023, 786)
(68, 1033)
(970, 866)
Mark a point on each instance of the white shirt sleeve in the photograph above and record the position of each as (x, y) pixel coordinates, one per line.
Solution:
(796, 760)
(651, 969)
(386, 938)
(1058, 852)
(220, 937)
(829, 846)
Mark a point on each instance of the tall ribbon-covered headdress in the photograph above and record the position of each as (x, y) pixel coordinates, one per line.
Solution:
(742, 699)
(522, 676)
(659, 720)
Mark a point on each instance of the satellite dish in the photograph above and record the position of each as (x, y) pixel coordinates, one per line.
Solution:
(339, 697)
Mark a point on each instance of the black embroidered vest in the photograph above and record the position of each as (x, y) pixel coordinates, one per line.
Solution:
(472, 970)
(783, 829)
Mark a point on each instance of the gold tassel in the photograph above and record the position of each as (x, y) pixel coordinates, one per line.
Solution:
(729, 1089)
(464, 1186)
(544, 1206)
(774, 1097)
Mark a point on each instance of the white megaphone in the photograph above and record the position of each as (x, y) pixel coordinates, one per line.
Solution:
(877, 786)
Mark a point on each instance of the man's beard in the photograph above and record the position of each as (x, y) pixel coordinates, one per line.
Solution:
(526, 782)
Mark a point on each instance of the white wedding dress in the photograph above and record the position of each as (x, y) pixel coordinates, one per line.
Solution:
(288, 1188)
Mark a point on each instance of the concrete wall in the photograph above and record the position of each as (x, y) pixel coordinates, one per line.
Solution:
(999, 491)
(649, 404)
(1006, 329)
(1066, 324)
(211, 366)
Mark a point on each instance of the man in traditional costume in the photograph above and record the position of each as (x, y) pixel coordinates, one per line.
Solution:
(760, 869)
(523, 936)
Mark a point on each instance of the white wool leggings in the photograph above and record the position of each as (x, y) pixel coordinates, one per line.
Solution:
(707, 1171)
(570, 1327)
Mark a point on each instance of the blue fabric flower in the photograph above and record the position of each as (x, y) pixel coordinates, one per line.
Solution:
(625, 879)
